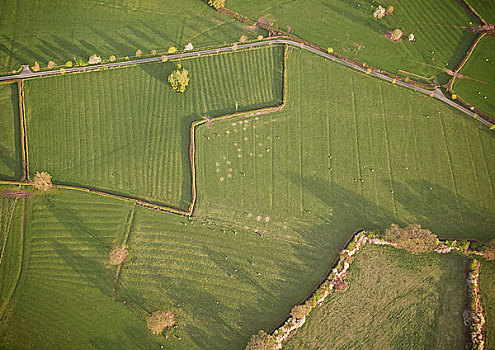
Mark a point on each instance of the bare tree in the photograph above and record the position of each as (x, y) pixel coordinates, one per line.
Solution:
(159, 320)
(42, 181)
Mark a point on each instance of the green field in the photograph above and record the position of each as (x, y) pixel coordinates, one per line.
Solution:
(224, 282)
(419, 160)
(126, 131)
(64, 297)
(487, 292)
(395, 300)
(485, 9)
(441, 39)
(478, 88)
(10, 145)
(58, 31)
(11, 240)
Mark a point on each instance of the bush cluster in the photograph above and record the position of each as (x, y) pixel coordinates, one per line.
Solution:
(261, 341)
(412, 238)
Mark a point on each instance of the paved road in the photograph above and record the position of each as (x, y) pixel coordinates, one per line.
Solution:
(26, 73)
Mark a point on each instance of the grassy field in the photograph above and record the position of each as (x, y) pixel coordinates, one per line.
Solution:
(487, 291)
(126, 131)
(11, 237)
(10, 147)
(350, 29)
(300, 170)
(64, 297)
(58, 31)
(396, 300)
(485, 9)
(224, 282)
(478, 88)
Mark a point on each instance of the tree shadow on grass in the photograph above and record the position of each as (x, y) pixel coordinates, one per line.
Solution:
(76, 227)
(445, 213)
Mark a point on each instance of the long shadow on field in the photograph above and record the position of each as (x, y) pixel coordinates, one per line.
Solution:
(365, 22)
(351, 210)
(444, 212)
(75, 226)
(90, 270)
(121, 47)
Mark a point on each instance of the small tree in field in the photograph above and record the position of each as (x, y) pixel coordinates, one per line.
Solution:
(118, 255)
(396, 35)
(261, 341)
(42, 181)
(179, 79)
(51, 64)
(139, 53)
(159, 320)
(412, 238)
(299, 311)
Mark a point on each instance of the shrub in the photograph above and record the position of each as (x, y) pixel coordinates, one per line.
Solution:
(390, 10)
(330, 50)
(260, 37)
(159, 320)
(36, 67)
(68, 64)
(164, 58)
(261, 341)
(462, 245)
(351, 245)
(112, 58)
(179, 79)
(118, 255)
(172, 49)
(473, 265)
(94, 59)
(396, 35)
(42, 181)
(412, 238)
(51, 64)
(153, 52)
(62, 70)
(216, 4)
(139, 53)
(299, 311)
(242, 39)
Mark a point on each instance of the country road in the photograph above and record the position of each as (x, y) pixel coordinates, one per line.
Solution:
(26, 73)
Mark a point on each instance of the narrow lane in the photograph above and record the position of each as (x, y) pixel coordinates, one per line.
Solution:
(26, 73)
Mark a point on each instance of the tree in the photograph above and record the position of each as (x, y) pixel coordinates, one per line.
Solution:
(216, 4)
(172, 49)
(94, 59)
(159, 320)
(112, 58)
(118, 255)
(42, 181)
(261, 341)
(390, 10)
(153, 52)
(68, 64)
(51, 64)
(139, 53)
(36, 67)
(396, 35)
(179, 79)
(379, 12)
(412, 238)
(299, 311)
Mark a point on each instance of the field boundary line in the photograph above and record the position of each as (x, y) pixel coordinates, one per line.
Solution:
(128, 227)
(6, 303)
(22, 116)
(471, 9)
(450, 169)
